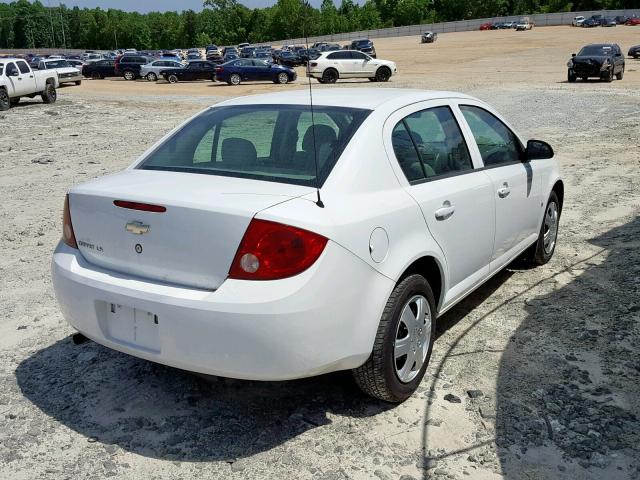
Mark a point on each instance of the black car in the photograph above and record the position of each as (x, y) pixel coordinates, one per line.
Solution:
(289, 59)
(200, 70)
(129, 65)
(634, 51)
(364, 45)
(608, 22)
(429, 37)
(601, 60)
(247, 69)
(621, 19)
(247, 52)
(100, 69)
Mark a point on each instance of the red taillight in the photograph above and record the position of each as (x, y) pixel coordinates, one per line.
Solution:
(67, 228)
(271, 251)
(145, 207)
(219, 69)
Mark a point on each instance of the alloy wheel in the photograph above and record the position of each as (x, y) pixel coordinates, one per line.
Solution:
(412, 339)
(283, 78)
(550, 227)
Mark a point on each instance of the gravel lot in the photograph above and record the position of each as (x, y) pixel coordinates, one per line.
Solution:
(535, 376)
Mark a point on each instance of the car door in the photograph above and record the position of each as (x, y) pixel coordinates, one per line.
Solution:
(261, 71)
(25, 81)
(451, 188)
(517, 184)
(362, 65)
(12, 73)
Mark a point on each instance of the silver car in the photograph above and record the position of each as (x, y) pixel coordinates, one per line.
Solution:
(151, 71)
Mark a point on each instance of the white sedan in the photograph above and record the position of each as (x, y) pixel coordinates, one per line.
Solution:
(251, 243)
(333, 65)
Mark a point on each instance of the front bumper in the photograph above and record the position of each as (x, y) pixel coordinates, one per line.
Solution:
(588, 69)
(323, 320)
(71, 79)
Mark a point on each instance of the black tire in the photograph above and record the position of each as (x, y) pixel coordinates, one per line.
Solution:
(14, 101)
(537, 254)
(608, 76)
(378, 376)
(330, 75)
(151, 77)
(129, 75)
(571, 77)
(234, 79)
(96, 75)
(383, 74)
(5, 102)
(282, 78)
(620, 75)
(78, 83)
(49, 95)
(172, 79)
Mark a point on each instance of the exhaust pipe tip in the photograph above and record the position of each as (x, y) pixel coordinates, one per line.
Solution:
(79, 339)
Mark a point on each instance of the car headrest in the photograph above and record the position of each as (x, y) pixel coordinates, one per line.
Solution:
(325, 135)
(238, 151)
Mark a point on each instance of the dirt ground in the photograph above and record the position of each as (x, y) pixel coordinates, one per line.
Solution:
(534, 376)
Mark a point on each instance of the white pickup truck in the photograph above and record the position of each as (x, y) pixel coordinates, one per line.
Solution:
(18, 80)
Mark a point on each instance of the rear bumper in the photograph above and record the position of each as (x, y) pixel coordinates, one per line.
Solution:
(322, 320)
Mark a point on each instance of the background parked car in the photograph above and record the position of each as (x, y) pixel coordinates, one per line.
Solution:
(129, 65)
(524, 24)
(198, 70)
(486, 26)
(330, 66)
(151, 71)
(289, 59)
(634, 51)
(601, 60)
(100, 69)
(429, 37)
(633, 21)
(76, 63)
(608, 22)
(66, 73)
(251, 70)
(577, 21)
(364, 45)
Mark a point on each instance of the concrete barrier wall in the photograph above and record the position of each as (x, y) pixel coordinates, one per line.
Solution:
(540, 20)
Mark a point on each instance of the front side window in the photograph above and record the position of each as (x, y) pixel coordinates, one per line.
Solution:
(11, 70)
(24, 68)
(497, 144)
(256, 142)
(429, 144)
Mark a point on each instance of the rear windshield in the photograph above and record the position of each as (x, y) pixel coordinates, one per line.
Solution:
(276, 143)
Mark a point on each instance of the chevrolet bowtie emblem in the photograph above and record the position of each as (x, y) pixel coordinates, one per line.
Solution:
(137, 228)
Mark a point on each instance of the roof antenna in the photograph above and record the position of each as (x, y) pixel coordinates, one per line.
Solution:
(313, 123)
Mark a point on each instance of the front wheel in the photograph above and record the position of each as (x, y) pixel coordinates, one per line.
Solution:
(608, 76)
(541, 252)
(172, 78)
(151, 77)
(620, 75)
(571, 77)
(283, 78)
(49, 95)
(235, 79)
(5, 102)
(403, 344)
(383, 74)
(330, 76)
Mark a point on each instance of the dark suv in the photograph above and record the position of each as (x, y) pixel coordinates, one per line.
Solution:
(129, 66)
(364, 45)
(602, 60)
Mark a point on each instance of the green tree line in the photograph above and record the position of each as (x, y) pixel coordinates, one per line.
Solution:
(24, 24)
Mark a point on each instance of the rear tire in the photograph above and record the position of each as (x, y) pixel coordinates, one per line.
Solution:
(234, 79)
(330, 76)
(385, 374)
(49, 95)
(172, 79)
(129, 75)
(283, 78)
(383, 74)
(96, 76)
(541, 252)
(5, 102)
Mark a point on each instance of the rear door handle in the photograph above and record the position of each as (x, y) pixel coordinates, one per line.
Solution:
(504, 191)
(445, 211)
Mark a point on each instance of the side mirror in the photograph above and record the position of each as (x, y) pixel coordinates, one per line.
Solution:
(538, 150)
(573, 55)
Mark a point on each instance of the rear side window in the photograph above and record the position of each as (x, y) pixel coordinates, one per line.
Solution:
(429, 144)
(497, 144)
(339, 56)
(275, 143)
(24, 68)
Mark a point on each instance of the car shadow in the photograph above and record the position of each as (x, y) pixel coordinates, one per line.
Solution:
(165, 413)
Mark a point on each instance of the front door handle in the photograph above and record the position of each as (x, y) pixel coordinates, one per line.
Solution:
(504, 191)
(445, 211)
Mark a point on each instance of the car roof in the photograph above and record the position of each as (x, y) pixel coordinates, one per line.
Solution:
(365, 98)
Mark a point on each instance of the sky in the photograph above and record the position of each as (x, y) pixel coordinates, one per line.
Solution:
(144, 6)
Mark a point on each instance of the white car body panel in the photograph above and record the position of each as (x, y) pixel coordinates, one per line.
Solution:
(65, 74)
(325, 318)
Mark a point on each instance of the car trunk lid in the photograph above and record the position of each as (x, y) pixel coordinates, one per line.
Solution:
(192, 242)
